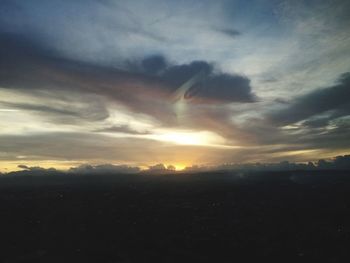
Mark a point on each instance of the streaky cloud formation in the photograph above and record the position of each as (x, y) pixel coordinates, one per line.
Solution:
(324, 104)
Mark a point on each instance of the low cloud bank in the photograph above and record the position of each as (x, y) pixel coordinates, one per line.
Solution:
(336, 163)
(104, 169)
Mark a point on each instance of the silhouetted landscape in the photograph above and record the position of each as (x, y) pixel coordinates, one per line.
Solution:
(293, 216)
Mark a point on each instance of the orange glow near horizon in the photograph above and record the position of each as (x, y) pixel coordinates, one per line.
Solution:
(11, 166)
(180, 161)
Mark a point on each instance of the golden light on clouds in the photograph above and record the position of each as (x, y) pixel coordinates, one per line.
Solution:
(180, 166)
(8, 166)
(195, 138)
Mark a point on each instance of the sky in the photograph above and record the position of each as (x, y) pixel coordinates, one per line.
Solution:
(175, 82)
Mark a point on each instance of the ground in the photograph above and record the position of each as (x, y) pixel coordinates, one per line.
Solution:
(293, 216)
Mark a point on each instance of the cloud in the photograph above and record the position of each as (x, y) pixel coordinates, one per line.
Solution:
(213, 86)
(154, 64)
(41, 68)
(341, 162)
(85, 110)
(80, 64)
(33, 68)
(157, 167)
(41, 71)
(122, 129)
(222, 88)
(197, 168)
(104, 169)
(35, 171)
(177, 75)
(106, 31)
(333, 100)
(36, 168)
(97, 148)
(229, 32)
(160, 168)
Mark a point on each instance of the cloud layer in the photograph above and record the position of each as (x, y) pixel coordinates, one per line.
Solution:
(193, 82)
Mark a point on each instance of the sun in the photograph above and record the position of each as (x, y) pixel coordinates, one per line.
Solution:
(180, 167)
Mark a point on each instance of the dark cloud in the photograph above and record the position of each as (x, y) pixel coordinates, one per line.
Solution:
(334, 100)
(154, 64)
(157, 167)
(22, 166)
(335, 163)
(150, 65)
(209, 86)
(341, 162)
(122, 129)
(316, 136)
(197, 168)
(229, 32)
(28, 66)
(222, 88)
(317, 122)
(160, 168)
(34, 171)
(178, 74)
(212, 86)
(38, 70)
(335, 138)
(104, 169)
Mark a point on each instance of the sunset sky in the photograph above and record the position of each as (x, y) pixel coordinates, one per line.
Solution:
(173, 82)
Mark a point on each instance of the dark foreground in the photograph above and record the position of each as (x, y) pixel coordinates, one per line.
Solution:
(217, 217)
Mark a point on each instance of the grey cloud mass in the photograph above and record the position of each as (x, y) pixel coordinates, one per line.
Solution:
(104, 169)
(31, 68)
(123, 129)
(22, 61)
(229, 32)
(332, 100)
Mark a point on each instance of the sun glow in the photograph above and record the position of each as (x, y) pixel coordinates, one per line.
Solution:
(202, 138)
(183, 138)
(180, 167)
